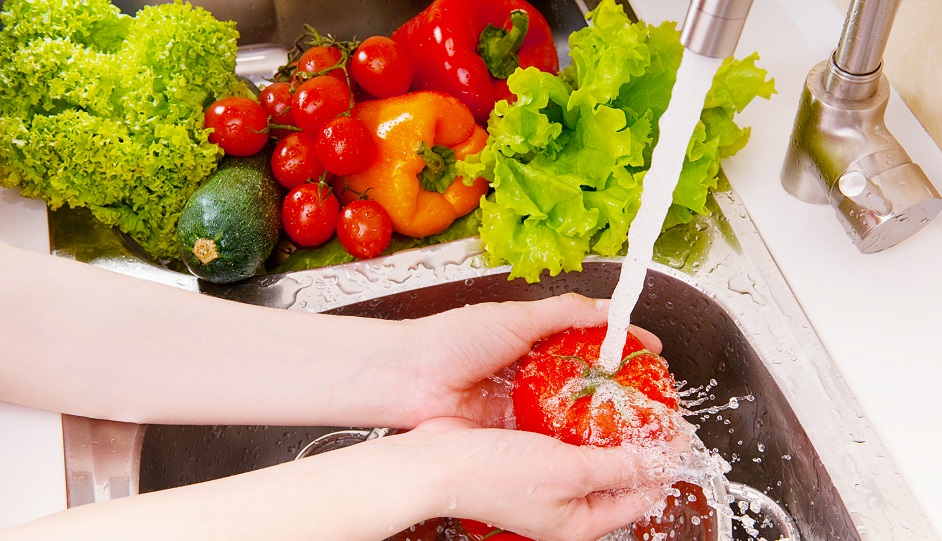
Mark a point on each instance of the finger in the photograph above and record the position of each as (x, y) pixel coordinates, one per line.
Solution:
(611, 511)
(620, 485)
(648, 338)
(544, 317)
(499, 333)
(444, 424)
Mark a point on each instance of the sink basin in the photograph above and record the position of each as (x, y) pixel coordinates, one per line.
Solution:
(801, 454)
(728, 324)
(769, 449)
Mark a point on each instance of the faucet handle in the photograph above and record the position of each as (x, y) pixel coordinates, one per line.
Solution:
(842, 153)
(884, 199)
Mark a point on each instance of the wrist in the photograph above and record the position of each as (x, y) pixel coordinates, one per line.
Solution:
(401, 480)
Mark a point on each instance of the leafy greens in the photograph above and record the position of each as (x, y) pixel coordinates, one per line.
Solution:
(567, 158)
(105, 111)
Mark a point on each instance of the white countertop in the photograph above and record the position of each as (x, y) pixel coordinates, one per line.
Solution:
(878, 315)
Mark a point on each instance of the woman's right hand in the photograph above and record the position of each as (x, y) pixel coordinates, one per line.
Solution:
(534, 485)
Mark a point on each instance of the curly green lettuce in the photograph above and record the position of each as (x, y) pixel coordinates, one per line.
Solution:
(103, 110)
(567, 158)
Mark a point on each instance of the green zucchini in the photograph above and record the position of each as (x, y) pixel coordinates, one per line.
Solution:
(230, 225)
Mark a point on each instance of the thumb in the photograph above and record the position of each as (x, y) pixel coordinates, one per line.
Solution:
(532, 320)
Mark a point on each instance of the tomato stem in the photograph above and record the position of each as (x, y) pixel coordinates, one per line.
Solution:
(287, 127)
(309, 38)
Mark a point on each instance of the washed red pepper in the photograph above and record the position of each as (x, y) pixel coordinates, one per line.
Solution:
(468, 48)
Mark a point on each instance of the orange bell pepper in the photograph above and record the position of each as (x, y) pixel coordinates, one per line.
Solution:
(419, 137)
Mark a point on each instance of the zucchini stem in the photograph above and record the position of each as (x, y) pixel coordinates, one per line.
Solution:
(205, 250)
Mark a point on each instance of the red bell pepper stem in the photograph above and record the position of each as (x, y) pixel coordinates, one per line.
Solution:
(499, 47)
(468, 48)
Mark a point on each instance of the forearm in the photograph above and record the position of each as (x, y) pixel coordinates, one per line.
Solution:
(516, 480)
(94, 343)
(365, 492)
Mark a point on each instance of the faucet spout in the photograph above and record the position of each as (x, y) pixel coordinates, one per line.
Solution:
(712, 27)
(841, 151)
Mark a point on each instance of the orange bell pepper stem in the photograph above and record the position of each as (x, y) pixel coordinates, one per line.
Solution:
(400, 126)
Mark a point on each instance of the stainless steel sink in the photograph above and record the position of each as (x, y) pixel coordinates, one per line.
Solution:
(797, 444)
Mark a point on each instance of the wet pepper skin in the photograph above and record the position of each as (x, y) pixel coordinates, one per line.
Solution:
(443, 41)
(400, 126)
(556, 384)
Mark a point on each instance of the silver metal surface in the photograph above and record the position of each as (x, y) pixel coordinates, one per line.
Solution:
(866, 32)
(712, 27)
(102, 459)
(731, 329)
(341, 439)
(841, 151)
(759, 516)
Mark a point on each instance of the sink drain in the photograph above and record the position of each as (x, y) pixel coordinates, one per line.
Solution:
(757, 517)
(340, 439)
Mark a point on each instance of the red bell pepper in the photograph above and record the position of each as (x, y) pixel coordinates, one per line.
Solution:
(468, 48)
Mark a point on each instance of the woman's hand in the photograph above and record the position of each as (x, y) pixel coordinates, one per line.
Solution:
(519, 481)
(535, 485)
(164, 355)
(458, 358)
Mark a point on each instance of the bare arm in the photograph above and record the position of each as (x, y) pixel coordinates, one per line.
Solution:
(90, 342)
(372, 490)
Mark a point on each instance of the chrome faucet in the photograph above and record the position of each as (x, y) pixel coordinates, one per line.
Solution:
(841, 151)
(712, 27)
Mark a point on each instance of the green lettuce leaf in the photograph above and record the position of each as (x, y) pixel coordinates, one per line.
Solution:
(567, 158)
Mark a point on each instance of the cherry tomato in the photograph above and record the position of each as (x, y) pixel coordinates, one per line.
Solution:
(345, 146)
(276, 100)
(381, 67)
(309, 214)
(294, 160)
(478, 530)
(318, 100)
(240, 125)
(364, 228)
(321, 60)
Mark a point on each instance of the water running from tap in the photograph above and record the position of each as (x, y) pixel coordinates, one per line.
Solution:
(694, 79)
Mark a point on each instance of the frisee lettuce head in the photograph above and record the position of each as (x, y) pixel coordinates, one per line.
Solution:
(105, 111)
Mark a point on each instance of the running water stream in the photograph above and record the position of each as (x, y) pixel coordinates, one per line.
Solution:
(676, 126)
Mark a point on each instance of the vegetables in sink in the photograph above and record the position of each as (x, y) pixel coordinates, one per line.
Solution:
(97, 113)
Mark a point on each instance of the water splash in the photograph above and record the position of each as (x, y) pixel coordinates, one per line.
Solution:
(694, 79)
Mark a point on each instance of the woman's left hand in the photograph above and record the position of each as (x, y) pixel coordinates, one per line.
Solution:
(458, 359)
